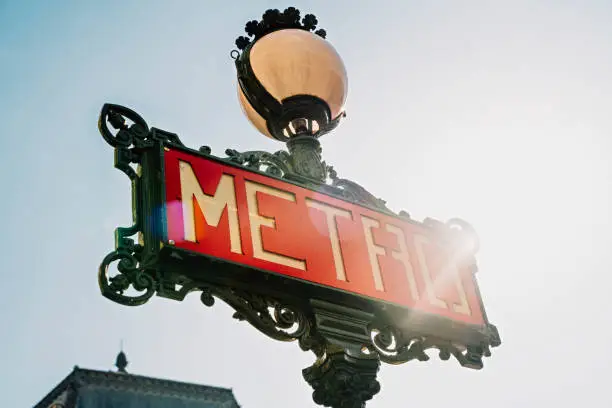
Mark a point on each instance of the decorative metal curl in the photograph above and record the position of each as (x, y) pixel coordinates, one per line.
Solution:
(275, 319)
(274, 164)
(131, 274)
(136, 135)
(285, 165)
(126, 136)
(466, 230)
(393, 348)
(457, 229)
(356, 193)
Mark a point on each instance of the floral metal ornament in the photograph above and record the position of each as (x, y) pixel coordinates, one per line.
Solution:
(274, 20)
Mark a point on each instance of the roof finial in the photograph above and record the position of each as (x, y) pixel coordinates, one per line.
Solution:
(121, 362)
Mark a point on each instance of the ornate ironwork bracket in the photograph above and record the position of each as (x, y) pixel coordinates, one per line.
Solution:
(128, 133)
(303, 164)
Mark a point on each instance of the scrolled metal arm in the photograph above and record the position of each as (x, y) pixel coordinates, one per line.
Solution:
(275, 319)
(393, 347)
(131, 274)
(128, 132)
(127, 135)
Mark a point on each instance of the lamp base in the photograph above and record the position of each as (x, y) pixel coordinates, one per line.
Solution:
(305, 157)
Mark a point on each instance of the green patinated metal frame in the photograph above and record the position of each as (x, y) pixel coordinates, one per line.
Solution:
(349, 334)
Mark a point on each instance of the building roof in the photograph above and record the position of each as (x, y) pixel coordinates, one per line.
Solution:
(85, 388)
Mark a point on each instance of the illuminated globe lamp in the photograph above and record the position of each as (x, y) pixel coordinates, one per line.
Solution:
(292, 85)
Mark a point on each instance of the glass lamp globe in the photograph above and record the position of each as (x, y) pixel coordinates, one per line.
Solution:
(292, 82)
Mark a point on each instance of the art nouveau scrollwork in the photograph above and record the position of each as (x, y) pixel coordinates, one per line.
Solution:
(278, 320)
(458, 231)
(126, 135)
(303, 164)
(274, 164)
(130, 129)
(395, 347)
(132, 274)
(127, 132)
(356, 193)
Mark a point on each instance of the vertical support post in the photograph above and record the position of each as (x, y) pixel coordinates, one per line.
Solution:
(305, 152)
(343, 376)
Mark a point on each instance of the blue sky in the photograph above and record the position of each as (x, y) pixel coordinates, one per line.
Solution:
(496, 112)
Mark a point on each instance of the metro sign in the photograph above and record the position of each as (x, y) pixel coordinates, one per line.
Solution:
(298, 253)
(418, 274)
(328, 265)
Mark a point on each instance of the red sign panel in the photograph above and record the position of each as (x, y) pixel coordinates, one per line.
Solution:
(258, 221)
